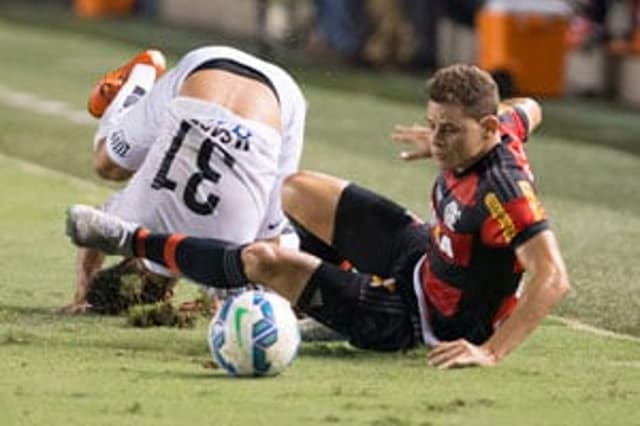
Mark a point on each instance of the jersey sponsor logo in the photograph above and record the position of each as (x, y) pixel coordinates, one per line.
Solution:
(500, 215)
(534, 203)
(119, 144)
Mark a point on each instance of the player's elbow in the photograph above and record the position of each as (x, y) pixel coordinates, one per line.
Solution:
(108, 170)
(111, 173)
(564, 286)
(558, 284)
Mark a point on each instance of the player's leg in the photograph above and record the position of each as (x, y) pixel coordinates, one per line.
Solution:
(221, 264)
(207, 261)
(111, 99)
(116, 86)
(370, 311)
(311, 200)
(358, 225)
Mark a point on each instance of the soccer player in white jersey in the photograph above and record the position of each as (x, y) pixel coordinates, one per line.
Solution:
(206, 147)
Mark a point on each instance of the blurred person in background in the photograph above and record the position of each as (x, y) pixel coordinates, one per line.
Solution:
(340, 28)
(391, 39)
(425, 15)
(588, 27)
(385, 33)
(592, 27)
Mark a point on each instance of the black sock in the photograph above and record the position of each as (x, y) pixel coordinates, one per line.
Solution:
(311, 244)
(214, 263)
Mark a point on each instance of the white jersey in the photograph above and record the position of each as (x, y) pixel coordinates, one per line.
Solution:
(200, 169)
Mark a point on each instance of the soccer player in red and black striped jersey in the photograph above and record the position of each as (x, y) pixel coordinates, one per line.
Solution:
(450, 283)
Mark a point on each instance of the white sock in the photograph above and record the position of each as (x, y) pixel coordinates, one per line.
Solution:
(289, 239)
(140, 81)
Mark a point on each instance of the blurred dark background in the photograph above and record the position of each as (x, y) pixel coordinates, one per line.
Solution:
(546, 48)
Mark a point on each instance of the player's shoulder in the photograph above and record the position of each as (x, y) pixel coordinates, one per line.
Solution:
(504, 175)
(513, 211)
(519, 116)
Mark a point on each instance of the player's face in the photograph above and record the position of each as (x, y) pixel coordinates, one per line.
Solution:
(458, 140)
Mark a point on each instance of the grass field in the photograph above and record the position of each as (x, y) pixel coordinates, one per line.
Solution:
(57, 369)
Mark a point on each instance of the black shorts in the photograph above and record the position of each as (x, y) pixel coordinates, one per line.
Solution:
(381, 240)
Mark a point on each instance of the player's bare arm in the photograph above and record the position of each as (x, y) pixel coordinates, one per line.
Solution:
(88, 263)
(417, 137)
(546, 284)
(106, 168)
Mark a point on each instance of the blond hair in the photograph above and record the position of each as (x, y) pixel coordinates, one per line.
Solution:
(467, 86)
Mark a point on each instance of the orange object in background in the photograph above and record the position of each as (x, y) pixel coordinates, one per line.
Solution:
(524, 47)
(635, 42)
(95, 8)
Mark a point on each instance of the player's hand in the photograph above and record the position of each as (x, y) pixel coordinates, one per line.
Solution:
(417, 137)
(460, 353)
(75, 308)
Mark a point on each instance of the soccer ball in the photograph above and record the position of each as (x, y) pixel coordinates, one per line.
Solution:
(254, 333)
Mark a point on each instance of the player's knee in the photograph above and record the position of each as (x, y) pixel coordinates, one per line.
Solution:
(297, 189)
(294, 188)
(260, 261)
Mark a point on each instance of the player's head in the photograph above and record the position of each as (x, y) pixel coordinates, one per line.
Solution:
(462, 114)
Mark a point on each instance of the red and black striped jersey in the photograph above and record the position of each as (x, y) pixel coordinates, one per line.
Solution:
(480, 216)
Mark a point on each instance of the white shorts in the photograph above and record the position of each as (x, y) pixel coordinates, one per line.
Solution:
(130, 137)
(210, 174)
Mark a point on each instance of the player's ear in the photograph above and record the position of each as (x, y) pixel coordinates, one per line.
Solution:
(490, 125)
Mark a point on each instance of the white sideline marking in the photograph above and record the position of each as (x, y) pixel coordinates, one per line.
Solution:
(39, 170)
(34, 103)
(578, 325)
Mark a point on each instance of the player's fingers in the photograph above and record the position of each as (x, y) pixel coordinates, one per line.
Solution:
(411, 155)
(443, 347)
(458, 362)
(403, 137)
(401, 128)
(446, 358)
(409, 134)
(399, 131)
(408, 155)
(446, 354)
(74, 308)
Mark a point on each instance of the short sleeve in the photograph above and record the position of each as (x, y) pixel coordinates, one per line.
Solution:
(516, 122)
(513, 217)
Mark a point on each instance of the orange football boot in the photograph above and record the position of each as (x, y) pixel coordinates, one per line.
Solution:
(110, 84)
